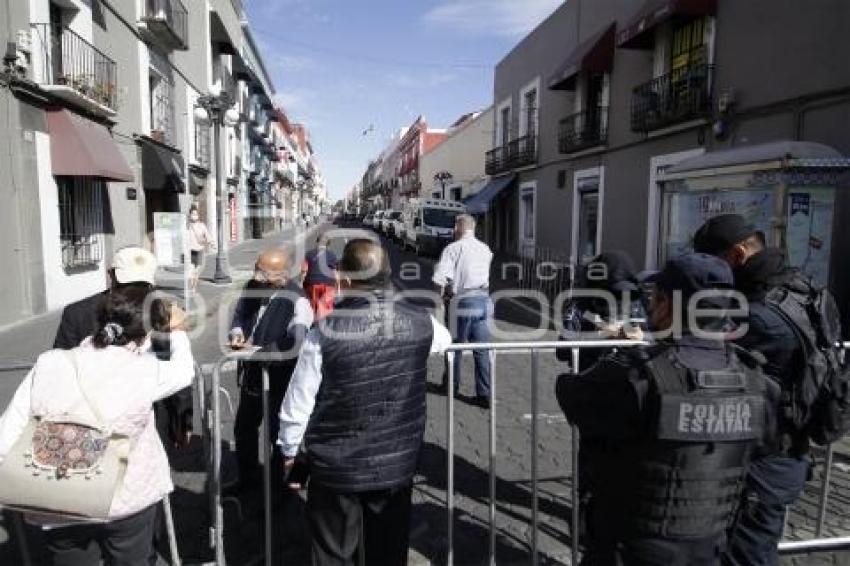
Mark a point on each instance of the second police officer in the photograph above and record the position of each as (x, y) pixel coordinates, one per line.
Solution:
(678, 422)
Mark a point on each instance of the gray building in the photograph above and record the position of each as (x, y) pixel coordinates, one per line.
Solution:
(100, 101)
(599, 102)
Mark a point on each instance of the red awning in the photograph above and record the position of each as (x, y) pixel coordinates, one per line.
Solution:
(82, 148)
(595, 54)
(637, 34)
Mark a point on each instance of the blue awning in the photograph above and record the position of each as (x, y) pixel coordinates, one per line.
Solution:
(479, 203)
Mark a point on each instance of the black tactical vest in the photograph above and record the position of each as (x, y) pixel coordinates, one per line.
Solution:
(366, 430)
(703, 426)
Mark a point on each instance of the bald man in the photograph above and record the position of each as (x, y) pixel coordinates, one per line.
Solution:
(274, 314)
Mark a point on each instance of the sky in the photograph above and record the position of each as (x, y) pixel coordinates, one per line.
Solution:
(345, 67)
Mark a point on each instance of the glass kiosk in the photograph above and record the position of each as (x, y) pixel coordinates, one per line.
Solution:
(796, 193)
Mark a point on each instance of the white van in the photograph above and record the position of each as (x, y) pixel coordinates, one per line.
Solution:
(429, 224)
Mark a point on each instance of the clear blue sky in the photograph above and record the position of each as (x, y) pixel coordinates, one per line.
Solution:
(341, 65)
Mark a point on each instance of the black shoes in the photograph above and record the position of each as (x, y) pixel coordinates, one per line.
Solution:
(482, 401)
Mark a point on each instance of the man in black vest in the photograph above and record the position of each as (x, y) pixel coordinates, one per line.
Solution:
(360, 384)
(274, 315)
(675, 424)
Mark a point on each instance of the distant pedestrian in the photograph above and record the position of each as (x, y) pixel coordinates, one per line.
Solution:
(357, 405)
(463, 277)
(200, 240)
(111, 375)
(274, 315)
(319, 279)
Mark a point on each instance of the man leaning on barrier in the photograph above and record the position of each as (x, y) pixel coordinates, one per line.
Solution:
(274, 315)
(360, 383)
(678, 421)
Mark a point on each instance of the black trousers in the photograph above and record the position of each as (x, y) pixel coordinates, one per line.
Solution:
(125, 542)
(339, 522)
(249, 418)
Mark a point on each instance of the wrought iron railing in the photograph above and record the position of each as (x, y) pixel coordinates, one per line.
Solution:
(517, 153)
(681, 95)
(66, 59)
(583, 130)
(169, 17)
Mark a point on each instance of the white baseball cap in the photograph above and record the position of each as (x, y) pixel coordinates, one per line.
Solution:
(134, 265)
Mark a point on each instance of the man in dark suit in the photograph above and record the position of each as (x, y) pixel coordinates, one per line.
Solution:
(131, 266)
(274, 315)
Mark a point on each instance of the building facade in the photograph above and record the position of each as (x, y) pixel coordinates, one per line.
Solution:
(600, 101)
(454, 169)
(103, 135)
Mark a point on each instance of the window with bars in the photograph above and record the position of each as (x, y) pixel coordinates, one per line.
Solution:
(80, 221)
(161, 101)
(202, 145)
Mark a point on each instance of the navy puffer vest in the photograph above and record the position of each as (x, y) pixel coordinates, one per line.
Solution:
(367, 426)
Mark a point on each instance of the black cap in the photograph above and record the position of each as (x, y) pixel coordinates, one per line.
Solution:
(720, 233)
(691, 273)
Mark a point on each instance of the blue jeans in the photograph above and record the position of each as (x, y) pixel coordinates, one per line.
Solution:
(471, 324)
(772, 483)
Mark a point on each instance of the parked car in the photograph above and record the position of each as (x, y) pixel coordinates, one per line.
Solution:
(395, 226)
(384, 225)
(429, 224)
(376, 221)
(367, 220)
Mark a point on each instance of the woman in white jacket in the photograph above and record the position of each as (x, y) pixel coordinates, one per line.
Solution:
(122, 380)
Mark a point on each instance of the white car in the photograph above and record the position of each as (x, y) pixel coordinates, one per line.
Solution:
(395, 226)
(384, 224)
(376, 221)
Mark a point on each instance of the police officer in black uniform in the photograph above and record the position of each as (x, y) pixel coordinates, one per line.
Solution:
(676, 423)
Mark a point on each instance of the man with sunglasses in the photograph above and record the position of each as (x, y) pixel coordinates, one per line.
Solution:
(272, 315)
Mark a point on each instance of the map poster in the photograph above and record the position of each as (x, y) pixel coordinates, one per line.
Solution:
(688, 211)
(809, 230)
(169, 229)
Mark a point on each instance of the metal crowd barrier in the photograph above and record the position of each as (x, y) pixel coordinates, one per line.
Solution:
(214, 477)
(198, 386)
(534, 349)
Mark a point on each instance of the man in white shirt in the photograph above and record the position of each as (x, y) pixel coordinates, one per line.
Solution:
(360, 383)
(463, 275)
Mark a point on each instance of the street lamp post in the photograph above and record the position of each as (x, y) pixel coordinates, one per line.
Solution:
(443, 177)
(216, 108)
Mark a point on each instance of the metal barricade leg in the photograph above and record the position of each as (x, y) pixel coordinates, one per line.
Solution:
(575, 488)
(492, 457)
(217, 534)
(450, 448)
(267, 469)
(534, 472)
(824, 491)
(172, 535)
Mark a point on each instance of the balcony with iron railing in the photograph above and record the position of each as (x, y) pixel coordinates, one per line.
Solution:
(166, 22)
(679, 96)
(73, 69)
(583, 130)
(518, 153)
